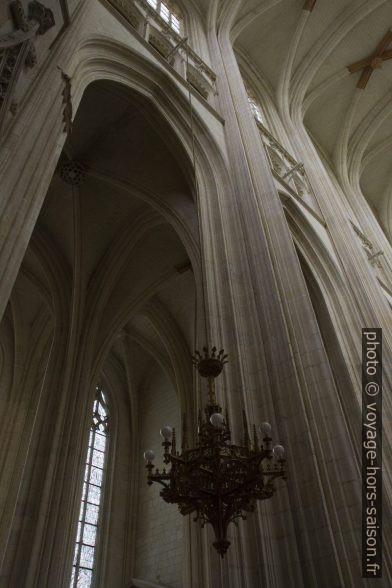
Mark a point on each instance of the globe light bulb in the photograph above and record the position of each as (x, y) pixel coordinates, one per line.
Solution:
(265, 428)
(216, 420)
(149, 456)
(167, 432)
(278, 451)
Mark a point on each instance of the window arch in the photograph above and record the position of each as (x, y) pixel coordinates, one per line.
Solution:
(169, 12)
(91, 501)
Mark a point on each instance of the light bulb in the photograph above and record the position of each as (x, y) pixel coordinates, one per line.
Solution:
(278, 451)
(265, 428)
(149, 456)
(167, 432)
(216, 420)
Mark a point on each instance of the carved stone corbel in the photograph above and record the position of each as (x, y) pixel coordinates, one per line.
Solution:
(23, 24)
(44, 16)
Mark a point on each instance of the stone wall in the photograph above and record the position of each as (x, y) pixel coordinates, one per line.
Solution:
(159, 544)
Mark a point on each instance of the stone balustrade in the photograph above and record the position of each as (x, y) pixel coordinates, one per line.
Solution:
(287, 170)
(156, 31)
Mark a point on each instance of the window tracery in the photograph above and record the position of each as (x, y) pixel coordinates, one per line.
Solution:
(169, 12)
(91, 501)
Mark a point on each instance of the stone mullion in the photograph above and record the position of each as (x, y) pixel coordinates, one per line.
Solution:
(269, 264)
(84, 510)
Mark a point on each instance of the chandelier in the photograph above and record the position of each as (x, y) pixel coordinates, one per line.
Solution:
(217, 480)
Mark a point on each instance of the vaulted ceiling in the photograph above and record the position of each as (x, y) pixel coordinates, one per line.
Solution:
(112, 239)
(136, 182)
(311, 44)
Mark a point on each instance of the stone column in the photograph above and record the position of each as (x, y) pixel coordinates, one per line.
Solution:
(29, 151)
(259, 305)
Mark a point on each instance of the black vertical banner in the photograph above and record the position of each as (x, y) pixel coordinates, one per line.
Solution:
(372, 453)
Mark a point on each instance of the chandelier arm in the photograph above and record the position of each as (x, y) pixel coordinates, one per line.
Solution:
(218, 481)
(178, 459)
(275, 475)
(159, 479)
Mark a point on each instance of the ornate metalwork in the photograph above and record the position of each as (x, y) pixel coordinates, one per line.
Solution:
(217, 480)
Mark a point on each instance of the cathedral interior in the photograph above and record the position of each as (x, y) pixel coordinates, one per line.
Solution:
(179, 176)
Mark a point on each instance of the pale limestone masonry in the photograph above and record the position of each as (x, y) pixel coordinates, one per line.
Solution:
(159, 528)
(279, 250)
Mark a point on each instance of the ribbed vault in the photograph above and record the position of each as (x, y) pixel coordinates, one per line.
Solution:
(120, 243)
(301, 53)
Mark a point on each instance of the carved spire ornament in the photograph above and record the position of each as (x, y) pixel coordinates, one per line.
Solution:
(218, 481)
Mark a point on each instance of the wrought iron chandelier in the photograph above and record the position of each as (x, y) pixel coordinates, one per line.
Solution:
(217, 480)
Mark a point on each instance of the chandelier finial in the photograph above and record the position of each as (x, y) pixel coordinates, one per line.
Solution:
(210, 366)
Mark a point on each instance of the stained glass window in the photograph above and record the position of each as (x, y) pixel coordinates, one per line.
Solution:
(168, 12)
(94, 473)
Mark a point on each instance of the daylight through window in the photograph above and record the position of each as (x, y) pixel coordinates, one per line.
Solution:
(89, 514)
(255, 108)
(254, 105)
(168, 13)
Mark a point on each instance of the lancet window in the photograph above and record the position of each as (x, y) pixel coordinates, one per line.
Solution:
(91, 501)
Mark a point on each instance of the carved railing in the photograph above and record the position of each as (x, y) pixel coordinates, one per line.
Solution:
(169, 44)
(287, 170)
(373, 255)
